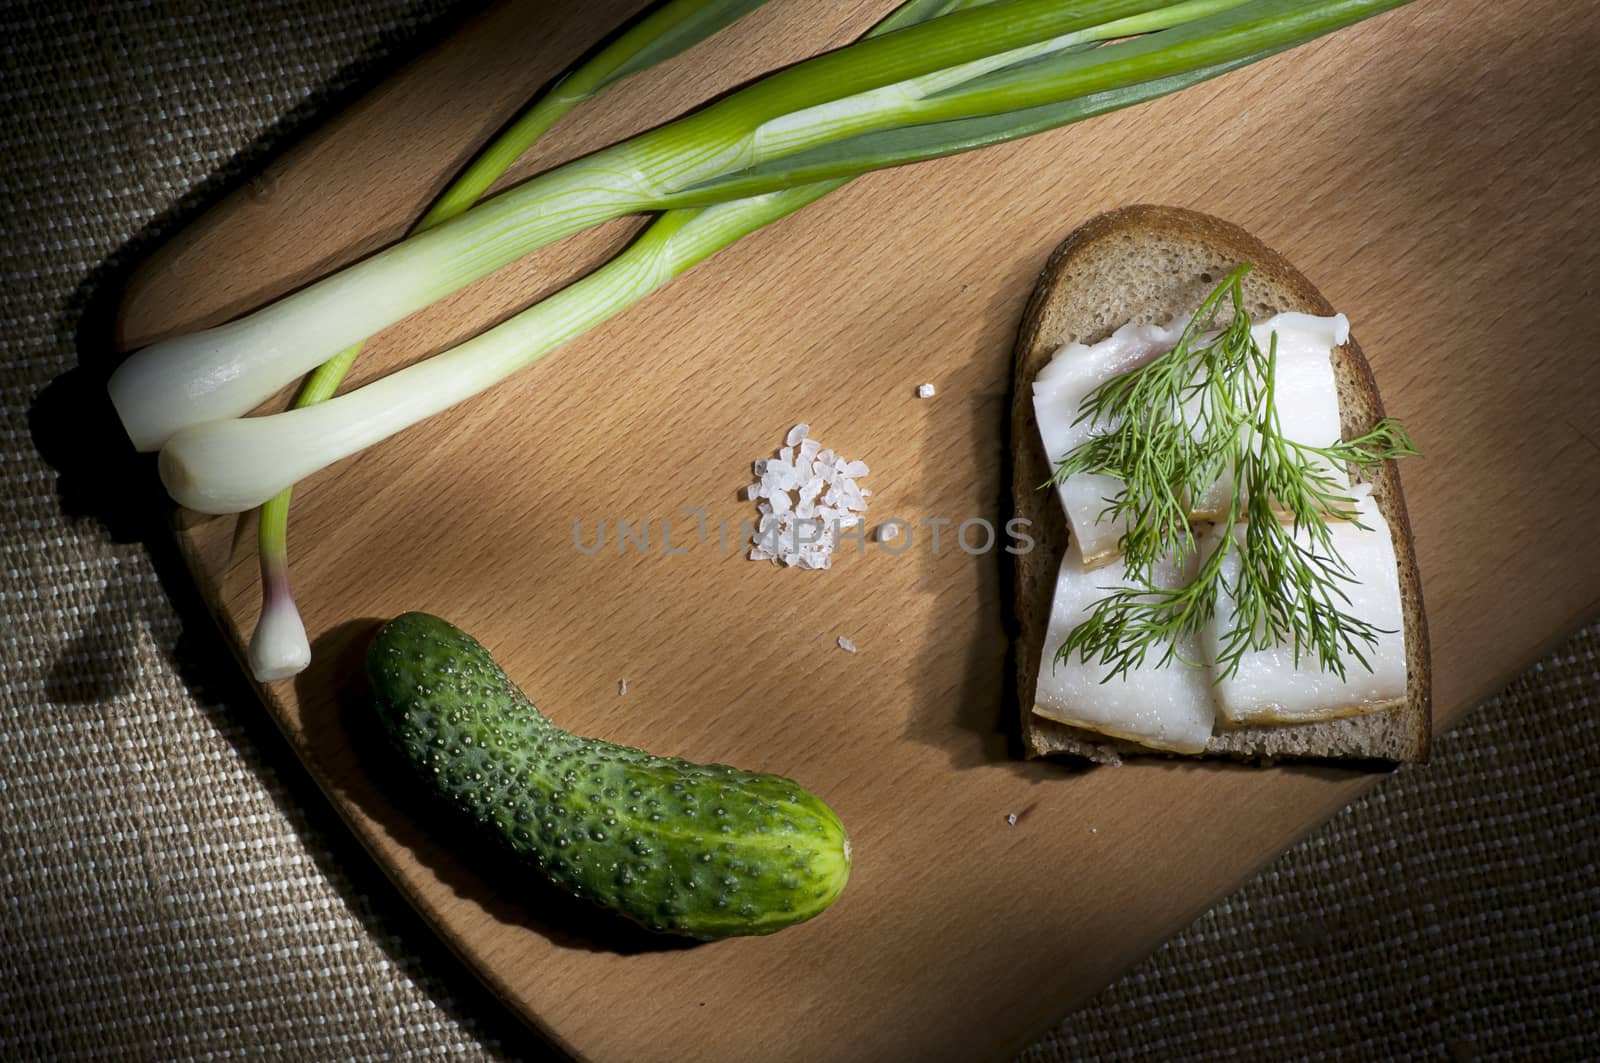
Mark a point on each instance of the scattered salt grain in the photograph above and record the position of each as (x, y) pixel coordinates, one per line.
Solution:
(807, 497)
(622, 687)
(888, 532)
(846, 645)
(924, 391)
(1011, 818)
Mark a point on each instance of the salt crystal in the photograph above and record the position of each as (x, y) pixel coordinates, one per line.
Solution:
(806, 496)
(849, 647)
(622, 687)
(886, 532)
(1011, 818)
(924, 391)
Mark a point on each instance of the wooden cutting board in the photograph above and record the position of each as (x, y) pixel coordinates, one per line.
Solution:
(1435, 171)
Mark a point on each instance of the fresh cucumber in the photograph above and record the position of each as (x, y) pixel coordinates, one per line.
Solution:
(702, 850)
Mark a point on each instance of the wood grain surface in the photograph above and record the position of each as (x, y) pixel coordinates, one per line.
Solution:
(1434, 171)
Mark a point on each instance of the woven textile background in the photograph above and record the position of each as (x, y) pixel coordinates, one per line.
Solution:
(172, 886)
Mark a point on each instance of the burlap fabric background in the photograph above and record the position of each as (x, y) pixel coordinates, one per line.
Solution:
(175, 888)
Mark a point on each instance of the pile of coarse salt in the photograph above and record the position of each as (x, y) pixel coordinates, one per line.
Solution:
(806, 496)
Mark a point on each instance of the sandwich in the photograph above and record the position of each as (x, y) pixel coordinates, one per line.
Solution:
(1095, 680)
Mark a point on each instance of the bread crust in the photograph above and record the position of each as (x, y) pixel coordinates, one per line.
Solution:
(1152, 264)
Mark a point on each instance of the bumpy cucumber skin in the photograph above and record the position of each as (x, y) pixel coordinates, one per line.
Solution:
(702, 850)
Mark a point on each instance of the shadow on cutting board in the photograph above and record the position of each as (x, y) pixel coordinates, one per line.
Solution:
(967, 429)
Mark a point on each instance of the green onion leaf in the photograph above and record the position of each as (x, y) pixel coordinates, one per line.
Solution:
(662, 34)
(897, 147)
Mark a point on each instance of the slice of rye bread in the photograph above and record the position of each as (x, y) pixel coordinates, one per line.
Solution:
(1153, 264)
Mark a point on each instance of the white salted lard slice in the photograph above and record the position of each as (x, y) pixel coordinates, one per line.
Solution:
(1305, 393)
(1268, 688)
(1166, 708)
(1058, 393)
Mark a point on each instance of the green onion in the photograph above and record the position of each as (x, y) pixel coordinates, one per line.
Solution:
(228, 370)
(280, 634)
(208, 467)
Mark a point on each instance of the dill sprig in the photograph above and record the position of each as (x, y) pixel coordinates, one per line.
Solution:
(1173, 427)
(1150, 444)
